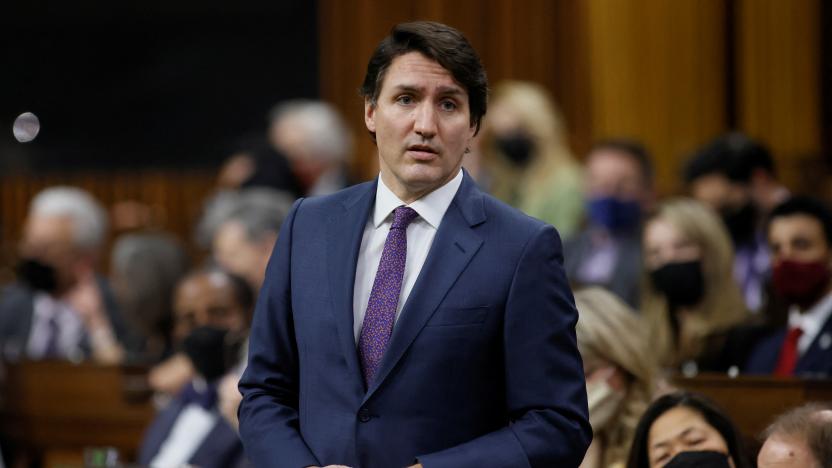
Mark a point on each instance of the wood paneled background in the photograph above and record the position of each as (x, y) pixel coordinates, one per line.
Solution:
(670, 73)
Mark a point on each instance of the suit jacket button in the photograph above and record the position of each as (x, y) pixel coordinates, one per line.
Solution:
(364, 415)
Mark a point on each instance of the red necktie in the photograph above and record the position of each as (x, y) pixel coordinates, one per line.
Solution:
(788, 353)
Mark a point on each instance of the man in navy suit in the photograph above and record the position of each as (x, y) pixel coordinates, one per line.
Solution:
(800, 238)
(414, 320)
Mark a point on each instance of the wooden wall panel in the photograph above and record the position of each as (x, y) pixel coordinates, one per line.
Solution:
(778, 63)
(657, 73)
(649, 69)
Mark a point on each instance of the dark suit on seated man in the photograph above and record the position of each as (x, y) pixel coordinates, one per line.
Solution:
(191, 429)
(414, 320)
(800, 237)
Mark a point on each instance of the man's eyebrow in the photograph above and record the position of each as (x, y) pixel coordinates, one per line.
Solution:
(408, 88)
(450, 90)
(442, 90)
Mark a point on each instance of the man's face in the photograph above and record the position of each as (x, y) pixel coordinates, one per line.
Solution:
(206, 299)
(610, 173)
(422, 125)
(50, 240)
(293, 138)
(235, 252)
(718, 192)
(799, 238)
(782, 451)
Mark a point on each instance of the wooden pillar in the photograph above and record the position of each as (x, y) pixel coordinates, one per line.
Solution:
(778, 81)
(657, 74)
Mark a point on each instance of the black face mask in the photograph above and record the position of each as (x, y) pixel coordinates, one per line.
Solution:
(682, 283)
(206, 348)
(518, 148)
(740, 222)
(705, 458)
(37, 275)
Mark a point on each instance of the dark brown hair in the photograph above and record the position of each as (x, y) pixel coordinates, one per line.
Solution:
(438, 42)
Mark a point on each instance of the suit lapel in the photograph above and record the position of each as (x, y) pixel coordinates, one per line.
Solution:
(344, 233)
(454, 245)
(818, 358)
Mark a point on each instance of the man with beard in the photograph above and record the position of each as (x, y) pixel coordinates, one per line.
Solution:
(800, 239)
(60, 308)
(736, 177)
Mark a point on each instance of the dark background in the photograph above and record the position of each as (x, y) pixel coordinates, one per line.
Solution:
(148, 84)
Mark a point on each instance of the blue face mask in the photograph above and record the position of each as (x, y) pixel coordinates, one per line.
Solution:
(613, 213)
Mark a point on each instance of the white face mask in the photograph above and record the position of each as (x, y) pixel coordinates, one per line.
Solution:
(604, 402)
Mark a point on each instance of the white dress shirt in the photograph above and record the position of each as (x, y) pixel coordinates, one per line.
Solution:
(70, 326)
(187, 434)
(810, 322)
(420, 233)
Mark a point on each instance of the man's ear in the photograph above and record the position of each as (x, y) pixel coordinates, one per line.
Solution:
(370, 115)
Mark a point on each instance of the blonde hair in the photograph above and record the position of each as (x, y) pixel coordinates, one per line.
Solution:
(610, 330)
(540, 118)
(722, 305)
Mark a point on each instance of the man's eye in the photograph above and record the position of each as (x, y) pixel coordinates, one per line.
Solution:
(448, 105)
(405, 100)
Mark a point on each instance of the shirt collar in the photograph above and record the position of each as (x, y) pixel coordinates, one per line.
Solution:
(813, 319)
(431, 207)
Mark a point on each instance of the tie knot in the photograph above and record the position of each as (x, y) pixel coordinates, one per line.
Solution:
(402, 217)
(795, 333)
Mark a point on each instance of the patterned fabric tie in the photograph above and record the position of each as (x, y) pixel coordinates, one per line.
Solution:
(384, 297)
(788, 353)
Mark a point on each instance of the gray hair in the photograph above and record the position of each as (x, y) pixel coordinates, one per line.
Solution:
(812, 423)
(89, 219)
(326, 134)
(260, 211)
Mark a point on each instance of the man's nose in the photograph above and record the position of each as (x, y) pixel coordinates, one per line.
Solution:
(425, 124)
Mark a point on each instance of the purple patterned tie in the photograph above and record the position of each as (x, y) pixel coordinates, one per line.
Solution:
(384, 298)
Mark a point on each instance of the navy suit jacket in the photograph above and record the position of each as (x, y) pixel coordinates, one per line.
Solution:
(482, 369)
(815, 362)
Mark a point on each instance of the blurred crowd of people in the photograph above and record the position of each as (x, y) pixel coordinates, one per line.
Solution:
(735, 277)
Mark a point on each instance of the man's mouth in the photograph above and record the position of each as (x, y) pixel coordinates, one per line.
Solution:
(422, 152)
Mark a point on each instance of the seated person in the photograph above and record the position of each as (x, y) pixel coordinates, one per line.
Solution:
(144, 270)
(243, 241)
(527, 160)
(800, 239)
(684, 422)
(212, 310)
(689, 299)
(737, 177)
(208, 297)
(619, 190)
(801, 437)
(620, 373)
(60, 308)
